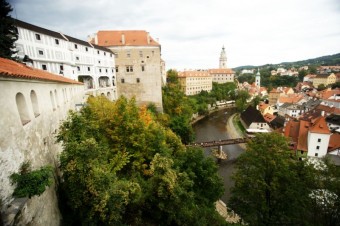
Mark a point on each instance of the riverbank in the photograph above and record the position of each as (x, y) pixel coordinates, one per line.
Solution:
(200, 117)
(233, 130)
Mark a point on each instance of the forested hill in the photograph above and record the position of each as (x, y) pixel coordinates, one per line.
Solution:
(319, 61)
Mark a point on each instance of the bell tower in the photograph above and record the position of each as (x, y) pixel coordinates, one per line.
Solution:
(258, 79)
(223, 59)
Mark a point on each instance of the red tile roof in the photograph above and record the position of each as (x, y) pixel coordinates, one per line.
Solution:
(319, 125)
(131, 38)
(269, 117)
(334, 141)
(12, 69)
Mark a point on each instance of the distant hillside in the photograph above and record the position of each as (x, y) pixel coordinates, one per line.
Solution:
(319, 61)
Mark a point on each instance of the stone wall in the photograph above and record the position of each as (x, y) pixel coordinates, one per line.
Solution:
(32, 139)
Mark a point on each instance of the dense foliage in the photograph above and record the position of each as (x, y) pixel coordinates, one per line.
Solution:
(31, 182)
(8, 33)
(272, 187)
(121, 167)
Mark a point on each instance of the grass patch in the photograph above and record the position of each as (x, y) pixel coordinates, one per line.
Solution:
(238, 124)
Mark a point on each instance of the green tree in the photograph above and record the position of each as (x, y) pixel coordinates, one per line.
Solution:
(8, 32)
(241, 100)
(270, 185)
(302, 74)
(121, 167)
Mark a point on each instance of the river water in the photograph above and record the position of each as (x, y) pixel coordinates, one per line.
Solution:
(213, 127)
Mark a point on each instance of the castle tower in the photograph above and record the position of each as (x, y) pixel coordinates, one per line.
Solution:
(223, 59)
(258, 79)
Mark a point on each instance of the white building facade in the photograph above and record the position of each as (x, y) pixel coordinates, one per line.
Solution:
(67, 56)
(33, 103)
(193, 82)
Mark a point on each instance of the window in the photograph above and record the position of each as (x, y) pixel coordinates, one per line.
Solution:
(52, 100)
(129, 68)
(106, 70)
(78, 68)
(98, 61)
(319, 140)
(56, 41)
(22, 108)
(77, 58)
(117, 69)
(110, 54)
(56, 97)
(100, 70)
(122, 80)
(138, 80)
(317, 147)
(104, 54)
(128, 54)
(37, 37)
(316, 154)
(75, 46)
(140, 53)
(44, 67)
(143, 68)
(88, 69)
(98, 51)
(61, 69)
(41, 52)
(301, 152)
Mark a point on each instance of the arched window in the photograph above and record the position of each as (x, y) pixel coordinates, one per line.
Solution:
(35, 104)
(109, 95)
(52, 100)
(22, 108)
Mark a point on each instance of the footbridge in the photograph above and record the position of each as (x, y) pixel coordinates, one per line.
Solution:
(216, 143)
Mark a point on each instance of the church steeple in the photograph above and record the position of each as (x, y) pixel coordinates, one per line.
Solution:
(223, 58)
(258, 79)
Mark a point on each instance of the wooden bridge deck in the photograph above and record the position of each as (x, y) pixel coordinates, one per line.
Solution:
(219, 142)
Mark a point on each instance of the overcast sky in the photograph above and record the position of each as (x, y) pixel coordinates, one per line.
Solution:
(192, 32)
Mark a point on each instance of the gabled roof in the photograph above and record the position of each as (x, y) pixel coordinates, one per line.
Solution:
(12, 69)
(125, 38)
(277, 122)
(251, 115)
(319, 125)
(269, 117)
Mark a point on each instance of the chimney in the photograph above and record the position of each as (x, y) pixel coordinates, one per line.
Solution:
(148, 37)
(123, 39)
(323, 113)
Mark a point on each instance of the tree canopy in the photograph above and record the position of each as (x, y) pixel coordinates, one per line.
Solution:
(121, 167)
(272, 187)
(8, 33)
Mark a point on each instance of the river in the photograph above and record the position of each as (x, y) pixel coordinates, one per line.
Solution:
(213, 127)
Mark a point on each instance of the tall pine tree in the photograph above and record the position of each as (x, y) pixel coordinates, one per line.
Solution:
(8, 32)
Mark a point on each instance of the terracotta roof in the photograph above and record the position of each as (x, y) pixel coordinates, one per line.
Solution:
(292, 130)
(328, 109)
(303, 135)
(221, 71)
(125, 38)
(12, 69)
(290, 99)
(334, 142)
(193, 74)
(269, 117)
(319, 125)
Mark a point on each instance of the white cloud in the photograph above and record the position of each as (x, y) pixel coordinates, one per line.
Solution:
(192, 32)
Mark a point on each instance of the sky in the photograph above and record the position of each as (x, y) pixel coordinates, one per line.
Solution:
(193, 32)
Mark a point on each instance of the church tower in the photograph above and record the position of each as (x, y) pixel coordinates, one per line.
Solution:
(258, 79)
(223, 59)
